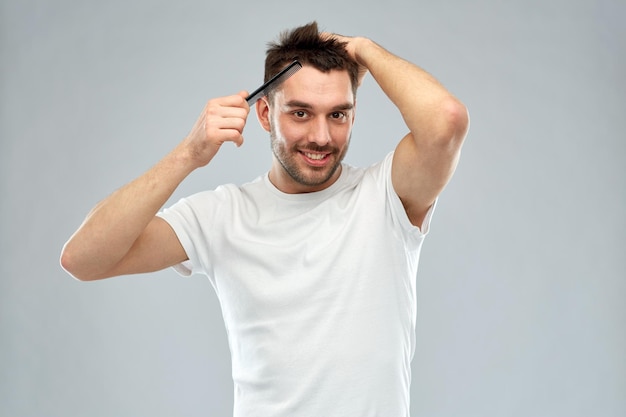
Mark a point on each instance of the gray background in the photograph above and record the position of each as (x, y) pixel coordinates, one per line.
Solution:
(522, 279)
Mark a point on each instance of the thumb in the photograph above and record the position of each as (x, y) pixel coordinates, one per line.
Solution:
(243, 93)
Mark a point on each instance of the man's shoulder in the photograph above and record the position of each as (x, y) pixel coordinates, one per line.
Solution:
(221, 195)
(376, 169)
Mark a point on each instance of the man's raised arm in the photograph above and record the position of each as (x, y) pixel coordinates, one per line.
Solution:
(426, 157)
(121, 235)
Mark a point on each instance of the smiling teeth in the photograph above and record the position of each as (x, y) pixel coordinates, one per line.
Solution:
(316, 156)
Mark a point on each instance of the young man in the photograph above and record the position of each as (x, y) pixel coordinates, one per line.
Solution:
(314, 263)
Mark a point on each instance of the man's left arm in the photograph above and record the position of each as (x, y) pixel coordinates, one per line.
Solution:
(426, 157)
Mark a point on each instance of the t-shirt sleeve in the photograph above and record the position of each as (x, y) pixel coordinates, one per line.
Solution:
(185, 219)
(410, 232)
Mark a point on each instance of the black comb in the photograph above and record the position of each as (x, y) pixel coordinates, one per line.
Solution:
(274, 82)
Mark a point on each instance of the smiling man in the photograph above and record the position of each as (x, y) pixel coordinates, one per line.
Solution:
(314, 262)
(310, 124)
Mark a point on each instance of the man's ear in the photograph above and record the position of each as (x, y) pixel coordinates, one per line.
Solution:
(263, 113)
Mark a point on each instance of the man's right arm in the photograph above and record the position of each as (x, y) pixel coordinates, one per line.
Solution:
(122, 235)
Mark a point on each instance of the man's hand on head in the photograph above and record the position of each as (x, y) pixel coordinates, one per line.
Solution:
(352, 45)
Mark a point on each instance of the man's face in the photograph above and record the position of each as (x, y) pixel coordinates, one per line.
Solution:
(310, 121)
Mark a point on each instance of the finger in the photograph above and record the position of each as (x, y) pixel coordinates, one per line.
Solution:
(216, 126)
(225, 108)
(328, 35)
(235, 100)
(234, 123)
(232, 135)
(227, 112)
(238, 101)
(239, 141)
(243, 94)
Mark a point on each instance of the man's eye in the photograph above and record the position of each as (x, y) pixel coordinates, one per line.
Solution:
(299, 114)
(338, 115)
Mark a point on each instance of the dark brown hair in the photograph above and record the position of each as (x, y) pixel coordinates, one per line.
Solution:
(305, 44)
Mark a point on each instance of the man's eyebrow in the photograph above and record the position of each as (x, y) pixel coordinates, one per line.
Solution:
(303, 105)
(344, 106)
(299, 104)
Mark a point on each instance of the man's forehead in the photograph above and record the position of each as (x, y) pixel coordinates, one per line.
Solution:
(310, 86)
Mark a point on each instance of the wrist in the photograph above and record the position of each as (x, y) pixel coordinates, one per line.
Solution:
(363, 48)
(184, 158)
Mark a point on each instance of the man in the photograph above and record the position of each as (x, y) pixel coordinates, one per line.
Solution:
(314, 263)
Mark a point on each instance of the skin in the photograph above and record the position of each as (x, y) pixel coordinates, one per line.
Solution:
(310, 121)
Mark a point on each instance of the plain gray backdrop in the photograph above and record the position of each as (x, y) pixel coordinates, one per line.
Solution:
(522, 280)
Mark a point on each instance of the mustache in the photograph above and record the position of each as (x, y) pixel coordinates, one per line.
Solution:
(317, 148)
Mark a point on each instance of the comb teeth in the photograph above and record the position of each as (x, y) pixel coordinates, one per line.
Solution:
(274, 82)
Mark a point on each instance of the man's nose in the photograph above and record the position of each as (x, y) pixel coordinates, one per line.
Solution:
(320, 132)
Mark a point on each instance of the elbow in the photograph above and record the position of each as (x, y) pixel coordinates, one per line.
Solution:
(69, 265)
(69, 262)
(456, 121)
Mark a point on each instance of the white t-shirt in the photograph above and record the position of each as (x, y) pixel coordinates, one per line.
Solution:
(317, 291)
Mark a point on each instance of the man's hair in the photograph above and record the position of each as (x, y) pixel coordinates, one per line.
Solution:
(305, 44)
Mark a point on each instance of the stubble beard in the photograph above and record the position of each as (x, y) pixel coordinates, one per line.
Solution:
(289, 160)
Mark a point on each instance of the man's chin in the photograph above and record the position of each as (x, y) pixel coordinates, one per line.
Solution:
(317, 176)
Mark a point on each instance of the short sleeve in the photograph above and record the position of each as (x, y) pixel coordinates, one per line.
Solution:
(188, 225)
(413, 234)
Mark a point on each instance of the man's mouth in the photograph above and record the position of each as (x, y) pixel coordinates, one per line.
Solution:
(315, 158)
